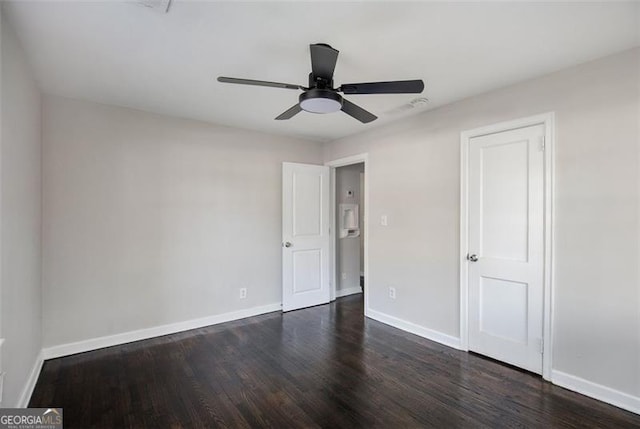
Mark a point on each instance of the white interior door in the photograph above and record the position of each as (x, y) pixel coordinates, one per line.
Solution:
(305, 235)
(506, 247)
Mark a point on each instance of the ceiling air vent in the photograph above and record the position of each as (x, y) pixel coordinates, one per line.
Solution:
(159, 5)
(416, 103)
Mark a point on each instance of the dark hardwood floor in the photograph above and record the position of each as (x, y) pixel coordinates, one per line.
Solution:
(325, 366)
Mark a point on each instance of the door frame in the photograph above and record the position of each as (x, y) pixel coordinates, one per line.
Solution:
(548, 120)
(342, 162)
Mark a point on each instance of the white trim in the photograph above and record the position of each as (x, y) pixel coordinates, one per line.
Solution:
(418, 330)
(548, 120)
(27, 391)
(348, 291)
(348, 160)
(549, 242)
(597, 391)
(157, 331)
(464, 240)
(341, 162)
(544, 118)
(333, 222)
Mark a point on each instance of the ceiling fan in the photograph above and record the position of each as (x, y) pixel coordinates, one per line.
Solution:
(322, 97)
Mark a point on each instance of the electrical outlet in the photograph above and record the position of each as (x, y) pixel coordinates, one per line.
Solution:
(383, 220)
(344, 276)
(392, 293)
(243, 292)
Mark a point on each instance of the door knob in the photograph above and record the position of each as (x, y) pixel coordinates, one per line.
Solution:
(472, 258)
(287, 244)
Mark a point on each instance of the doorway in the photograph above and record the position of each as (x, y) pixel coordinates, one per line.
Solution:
(349, 226)
(505, 242)
(349, 229)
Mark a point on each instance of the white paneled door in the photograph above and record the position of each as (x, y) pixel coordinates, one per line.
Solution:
(506, 246)
(305, 235)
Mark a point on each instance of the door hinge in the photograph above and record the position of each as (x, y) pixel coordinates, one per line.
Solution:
(541, 346)
(542, 143)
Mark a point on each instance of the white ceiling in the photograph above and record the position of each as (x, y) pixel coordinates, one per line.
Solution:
(129, 55)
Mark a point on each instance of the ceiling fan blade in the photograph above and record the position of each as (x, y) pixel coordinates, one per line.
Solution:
(357, 112)
(290, 113)
(259, 83)
(395, 87)
(323, 60)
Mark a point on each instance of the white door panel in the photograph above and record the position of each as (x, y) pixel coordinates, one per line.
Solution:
(305, 235)
(504, 205)
(307, 202)
(506, 209)
(307, 270)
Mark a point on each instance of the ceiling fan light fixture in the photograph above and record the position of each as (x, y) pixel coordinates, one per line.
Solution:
(320, 101)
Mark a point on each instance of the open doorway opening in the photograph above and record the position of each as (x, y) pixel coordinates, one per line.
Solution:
(349, 229)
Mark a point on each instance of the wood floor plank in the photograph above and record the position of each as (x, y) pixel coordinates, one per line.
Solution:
(322, 367)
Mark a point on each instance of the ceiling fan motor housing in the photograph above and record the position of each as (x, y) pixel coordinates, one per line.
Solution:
(319, 82)
(320, 101)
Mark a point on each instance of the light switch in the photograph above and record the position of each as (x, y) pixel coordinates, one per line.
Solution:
(383, 220)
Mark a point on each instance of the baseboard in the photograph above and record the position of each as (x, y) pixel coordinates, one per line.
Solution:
(597, 391)
(412, 328)
(576, 384)
(25, 397)
(143, 334)
(348, 291)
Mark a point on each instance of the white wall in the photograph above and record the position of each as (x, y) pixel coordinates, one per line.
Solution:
(348, 249)
(20, 220)
(415, 180)
(152, 220)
